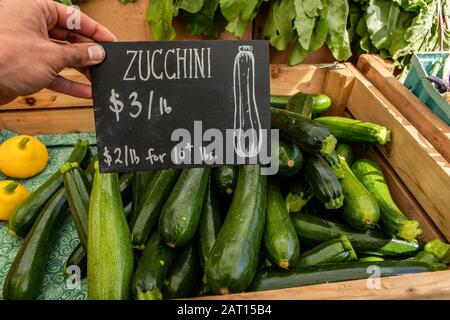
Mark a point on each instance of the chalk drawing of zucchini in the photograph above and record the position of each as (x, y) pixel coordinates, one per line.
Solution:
(247, 126)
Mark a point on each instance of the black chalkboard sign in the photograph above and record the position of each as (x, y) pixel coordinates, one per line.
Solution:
(180, 104)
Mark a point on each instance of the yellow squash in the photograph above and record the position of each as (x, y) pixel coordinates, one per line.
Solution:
(12, 194)
(22, 157)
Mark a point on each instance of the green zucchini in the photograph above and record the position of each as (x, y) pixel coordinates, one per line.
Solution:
(351, 130)
(153, 200)
(393, 221)
(27, 271)
(185, 275)
(301, 103)
(335, 164)
(324, 183)
(140, 182)
(360, 208)
(180, 215)
(90, 169)
(298, 196)
(346, 152)
(224, 179)
(78, 190)
(331, 251)
(128, 209)
(430, 258)
(315, 230)
(26, 214)
(78, 255)
(126, 187)
(321, 102)
(209, 225)
(152, 269)
(232, 263)
(279, 101)
(371, 258)
(308, 134)
(272, 280)
(280, 238)
(440, 249)
(290, 158)
(77, 258)
(110, 253)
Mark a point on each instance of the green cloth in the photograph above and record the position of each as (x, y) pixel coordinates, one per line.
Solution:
(55, 285)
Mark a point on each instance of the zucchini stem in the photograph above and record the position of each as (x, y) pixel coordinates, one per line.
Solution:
(10, 187)
(23, 143)
(409, 230)
(328, 145)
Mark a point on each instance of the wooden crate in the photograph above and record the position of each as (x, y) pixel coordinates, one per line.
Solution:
(348, 88)
(425, 167)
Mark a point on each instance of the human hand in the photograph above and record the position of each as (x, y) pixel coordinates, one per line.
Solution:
(29, 58)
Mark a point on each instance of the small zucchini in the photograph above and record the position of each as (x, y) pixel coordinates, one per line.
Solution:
(224, 179)
(126, 187)
(310, 135)
(26, 214)
(140, 181)
(279, 101)
(301, 103)
(331, 251)
(351, 130)
(280, 238)
(272, 280)
(185, 276)
(209, 225)
(321, 102)
(27, 272)
(290, 159)
(152, 269)
(298, 196)
(110, 252)
(232, 263)
(78, 190)
(315, 230)
(180, 215)
(324, 183)
(153, 200)
(90, 169)
(393, 221)
(360, 208)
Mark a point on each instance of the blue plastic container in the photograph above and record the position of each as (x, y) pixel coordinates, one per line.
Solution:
(421, 65)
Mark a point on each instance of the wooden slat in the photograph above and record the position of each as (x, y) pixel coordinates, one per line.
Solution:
(50, 99)
(289, 80)
(423, 170)
(429, 285)
(426, 121)
(404, 199)
(338, 86)
(49, 121)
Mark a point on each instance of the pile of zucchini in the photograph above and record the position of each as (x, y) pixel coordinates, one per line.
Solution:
(184, 233)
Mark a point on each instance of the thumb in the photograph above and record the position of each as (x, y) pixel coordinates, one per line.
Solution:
(79, 55)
